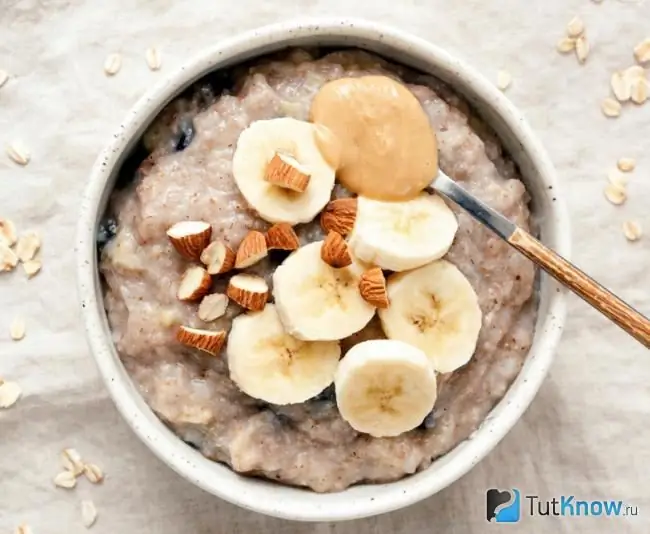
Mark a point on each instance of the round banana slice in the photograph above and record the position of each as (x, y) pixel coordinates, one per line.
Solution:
(291, 145)
(399, 236)
(319, 302)
(435, 309)
(385, 387)
(268, 364)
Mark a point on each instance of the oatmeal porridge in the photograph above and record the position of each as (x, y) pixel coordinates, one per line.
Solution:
(296, 329)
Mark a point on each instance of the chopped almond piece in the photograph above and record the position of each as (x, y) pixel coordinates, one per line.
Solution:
(209, 341)
(249, 291)
(195, 283)
(212, 307)
(335, 252)
(218, 257)
(284, 171)
(339, 215)
(282, 236)
(372, 287)
(190, 238)
(251, 250)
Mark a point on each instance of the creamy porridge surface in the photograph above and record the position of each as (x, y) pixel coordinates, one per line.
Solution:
(187, 176)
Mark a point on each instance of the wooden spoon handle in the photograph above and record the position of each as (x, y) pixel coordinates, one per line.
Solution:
(591, 291)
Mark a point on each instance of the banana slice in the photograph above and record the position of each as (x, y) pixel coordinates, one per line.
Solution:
(319, 302)
(268, 364)
(399, 236)
(294, 142)
(385, 387)
(435, 309)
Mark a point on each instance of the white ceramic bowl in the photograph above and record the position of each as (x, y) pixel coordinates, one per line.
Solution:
(363, 500)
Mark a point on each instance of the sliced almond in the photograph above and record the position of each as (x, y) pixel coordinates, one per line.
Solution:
(632, 230)
(576, 27)
(88, 513)
(112, 64)
(212, 307)
(152, 56)
(284, 171)
(93, 473)
(610, 107)
(4, 76)
(218, 257)
(566, 44)
(615, 194)
(626, 164)
(504, 79)
(339, 216)
(71, 461)
(28, 245)
(209, 341)
(8, 259)
(335, 251)
(251, 250)
(65, 479)
(639, 91)
(10, 392)
(249, 291)
(282, 236)
(17, 329)
(18, 153)
(190, 238)
(582, 48)
(615, 177)
(7, 232)
(372, 287)
(32, 267)
(642, 51)
(194, 284)
(621, 87)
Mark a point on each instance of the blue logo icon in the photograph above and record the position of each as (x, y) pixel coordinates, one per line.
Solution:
(502, 506)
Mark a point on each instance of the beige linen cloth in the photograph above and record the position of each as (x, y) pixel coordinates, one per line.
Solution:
(586, 434)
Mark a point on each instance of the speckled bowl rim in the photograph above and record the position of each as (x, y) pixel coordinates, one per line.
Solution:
(362, 500)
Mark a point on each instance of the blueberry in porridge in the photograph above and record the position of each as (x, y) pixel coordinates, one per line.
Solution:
(283, 292)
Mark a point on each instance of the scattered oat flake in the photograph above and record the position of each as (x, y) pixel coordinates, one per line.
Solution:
(7, 232)
(621, 86)
(639, 91)
(4, 76)
(615, 194)
(71, 461)
(634, 72)
(32, 267)
(566, 44)
(18, 153)
(88, 513)
(112, 64)
(28, 245)
(65, 479)
(93, 473)
(611, 107)
(24, 529)
(626, 164)
(615, 177)
(642, 51)
(10, 392)
(17, 329)
(8, 259)
(582, 48)
(632, 230)
(504, 79)
(152, 56)
(576, 27)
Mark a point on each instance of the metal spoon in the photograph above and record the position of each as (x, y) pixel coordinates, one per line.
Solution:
(630, 320)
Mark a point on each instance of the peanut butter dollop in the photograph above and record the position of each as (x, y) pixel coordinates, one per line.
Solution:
(385, 145)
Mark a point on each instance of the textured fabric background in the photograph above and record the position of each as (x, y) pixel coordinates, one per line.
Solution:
(587, 433)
